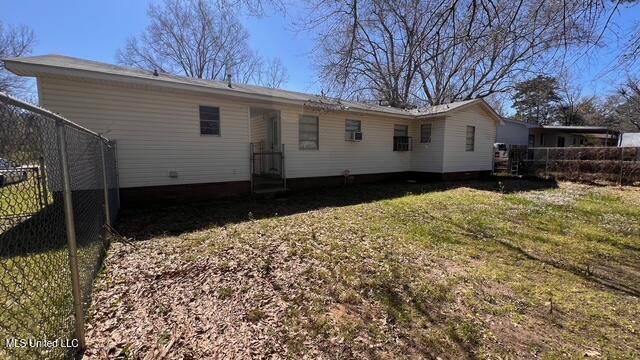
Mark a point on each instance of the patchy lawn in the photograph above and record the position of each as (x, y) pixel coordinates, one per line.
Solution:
(482, 269)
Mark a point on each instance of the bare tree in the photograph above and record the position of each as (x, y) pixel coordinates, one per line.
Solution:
(574, 108)
(412, 52)
(629, 107)
(14, 41)
(274, 74)
(255, 8)
(196, 39)
(629, 57)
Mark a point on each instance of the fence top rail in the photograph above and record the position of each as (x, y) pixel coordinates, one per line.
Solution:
(46, 113)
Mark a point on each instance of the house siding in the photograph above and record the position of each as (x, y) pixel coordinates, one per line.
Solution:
(456, 158)
(258, 129)
(428, 157)
(512, 133)
(374, 154)
(156, 132)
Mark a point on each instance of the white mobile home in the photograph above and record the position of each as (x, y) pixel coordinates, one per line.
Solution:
(185, 137)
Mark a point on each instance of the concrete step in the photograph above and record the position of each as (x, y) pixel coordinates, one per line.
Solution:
(271, 191)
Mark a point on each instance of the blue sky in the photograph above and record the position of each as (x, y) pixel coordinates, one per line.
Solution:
(96, 29)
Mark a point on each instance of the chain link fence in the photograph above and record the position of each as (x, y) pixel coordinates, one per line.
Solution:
(58, 197)
(619, 165)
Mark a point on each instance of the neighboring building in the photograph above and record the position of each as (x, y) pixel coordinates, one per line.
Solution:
(568, 136)
(629, 140)
(515, 132)
(180, 137)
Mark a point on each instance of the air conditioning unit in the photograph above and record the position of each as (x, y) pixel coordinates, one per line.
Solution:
(353, 136)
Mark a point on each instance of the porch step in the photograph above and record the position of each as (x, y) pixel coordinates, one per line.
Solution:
(270, 191)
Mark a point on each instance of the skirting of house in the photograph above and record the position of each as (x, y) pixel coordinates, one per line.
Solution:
(186, 193)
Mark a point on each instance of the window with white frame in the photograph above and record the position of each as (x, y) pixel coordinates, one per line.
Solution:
(425, 133)
(471, 138)
(308, 132)
(352, 130)
(209, 120)
(401, 139)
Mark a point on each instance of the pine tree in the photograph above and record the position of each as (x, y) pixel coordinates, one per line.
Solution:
(536, 100)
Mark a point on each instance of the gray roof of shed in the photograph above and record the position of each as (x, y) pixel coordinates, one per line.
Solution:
(630, 139)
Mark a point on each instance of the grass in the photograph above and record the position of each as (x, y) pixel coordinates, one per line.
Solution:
(479, 270)
(35, 280)
(21, 198)
(35, 291)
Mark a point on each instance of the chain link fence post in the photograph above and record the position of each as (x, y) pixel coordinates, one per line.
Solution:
(105, 185)
(71, 234)
(546, 165)
(114, 146)
(621, 165)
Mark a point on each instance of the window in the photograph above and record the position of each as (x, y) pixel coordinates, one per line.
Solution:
(352, 130)
(542, 139)
(401, 139)
(209, 120)
(532, 140)
(471, 138)
(401, 130)
(425, 133)
(352, 126)
(308, 132)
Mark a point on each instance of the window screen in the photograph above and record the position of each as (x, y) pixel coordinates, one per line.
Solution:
(401, 139)
(471, 138)
(352, 126)
(425, 133)
(209, 120)
(308, 132)
(400, 130)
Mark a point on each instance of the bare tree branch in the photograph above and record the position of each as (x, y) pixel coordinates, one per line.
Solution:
(196, 39)
(14, 41)
(411, 52)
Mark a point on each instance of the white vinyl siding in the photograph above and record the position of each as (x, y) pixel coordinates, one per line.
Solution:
(258, 129)
(513, 133)
(370, 156)
(455, 157)
(308, 138)
(156, 131)
(427, 157)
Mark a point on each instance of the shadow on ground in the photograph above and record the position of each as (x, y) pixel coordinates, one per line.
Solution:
(144, 224)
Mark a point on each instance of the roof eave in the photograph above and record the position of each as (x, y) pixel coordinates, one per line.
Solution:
(34, 70)
(497, 118)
